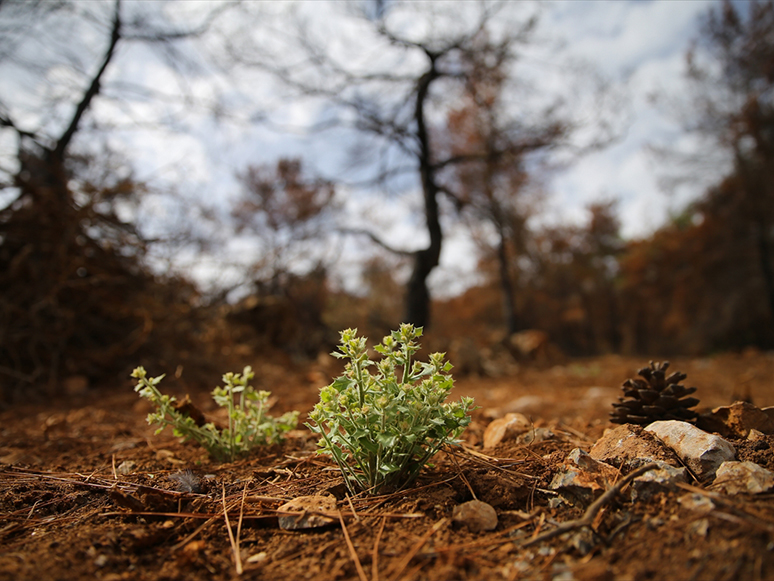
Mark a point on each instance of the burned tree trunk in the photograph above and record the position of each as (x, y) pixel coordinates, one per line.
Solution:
(425, 260)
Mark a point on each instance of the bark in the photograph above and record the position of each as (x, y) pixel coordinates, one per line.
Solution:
(425, 260)
(506, 286)
(765, 259)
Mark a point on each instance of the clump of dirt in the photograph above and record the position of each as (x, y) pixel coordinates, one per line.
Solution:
(89, 493)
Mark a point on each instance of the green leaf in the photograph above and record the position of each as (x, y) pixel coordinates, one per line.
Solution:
(381, 429)
(251, 426)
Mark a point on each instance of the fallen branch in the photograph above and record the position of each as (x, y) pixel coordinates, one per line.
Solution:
(91, 482)
(591, 512)
(273, 514)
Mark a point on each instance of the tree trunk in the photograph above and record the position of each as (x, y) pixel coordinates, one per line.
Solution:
(425, 260)
(765, 259)
(506, 286)
(615, 320)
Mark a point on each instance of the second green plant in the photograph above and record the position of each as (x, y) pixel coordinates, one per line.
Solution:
(381, 428)
(248, 423)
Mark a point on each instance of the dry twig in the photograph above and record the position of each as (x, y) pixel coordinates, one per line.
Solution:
(591, 512)
(352, 552)
(740, 513)
(462, 476)
(352, 506)
(234, 546)
(239, 527)
(493, 463)
(375, 558)
(415, 549)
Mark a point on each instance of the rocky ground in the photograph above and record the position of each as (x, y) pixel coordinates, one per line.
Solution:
(544, 492)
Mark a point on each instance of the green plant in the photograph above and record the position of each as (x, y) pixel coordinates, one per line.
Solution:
(382, 428)
(248, 424)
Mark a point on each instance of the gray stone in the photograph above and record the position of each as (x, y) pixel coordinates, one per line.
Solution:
(477, 516)
(742, 477)
(703, 453)
(583, 541)
(308, 509)
(631, 447)
(582, 477)
(533, 436)
(665, 477)
(126, 467)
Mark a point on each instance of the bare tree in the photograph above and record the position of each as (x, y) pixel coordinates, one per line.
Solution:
(384, 82)
(493, 187)
(72, 278)
(729, 106)
(40, 57)
(289, 213)
(394, 95)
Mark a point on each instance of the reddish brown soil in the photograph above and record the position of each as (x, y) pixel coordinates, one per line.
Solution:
(72, 509)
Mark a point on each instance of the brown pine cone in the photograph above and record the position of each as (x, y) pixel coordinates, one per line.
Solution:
(655, 397)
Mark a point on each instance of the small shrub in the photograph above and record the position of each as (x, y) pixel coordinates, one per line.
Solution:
(248, 424)
(382, 428)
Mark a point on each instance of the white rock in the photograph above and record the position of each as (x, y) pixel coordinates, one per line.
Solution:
(756, 435)
(696, 502)
(698, 528)
(505, 428)
(702, 452)
(630, 447)
(126, 467)
(743, 477)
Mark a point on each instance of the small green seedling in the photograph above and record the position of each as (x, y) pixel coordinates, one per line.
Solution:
(383, 428)
(248, 424)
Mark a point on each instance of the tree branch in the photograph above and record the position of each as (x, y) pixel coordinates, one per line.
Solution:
(455, 198)
(376, 239)
(517, 148)
(591, 512)
(172, 35)
(6, 121)
(93, 90)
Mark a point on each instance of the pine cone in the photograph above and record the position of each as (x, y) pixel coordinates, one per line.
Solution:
(657, 397)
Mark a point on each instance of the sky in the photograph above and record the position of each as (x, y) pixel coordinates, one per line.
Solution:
(643, 44)
(639, 46)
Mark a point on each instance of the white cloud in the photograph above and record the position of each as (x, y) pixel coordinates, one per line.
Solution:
(642, 41)
(646, 41)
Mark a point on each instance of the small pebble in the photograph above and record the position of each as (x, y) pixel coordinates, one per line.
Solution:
(476, 515)
(126, 467)
(308, 507)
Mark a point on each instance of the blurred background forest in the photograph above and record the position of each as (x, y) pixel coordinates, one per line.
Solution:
(102, 270)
